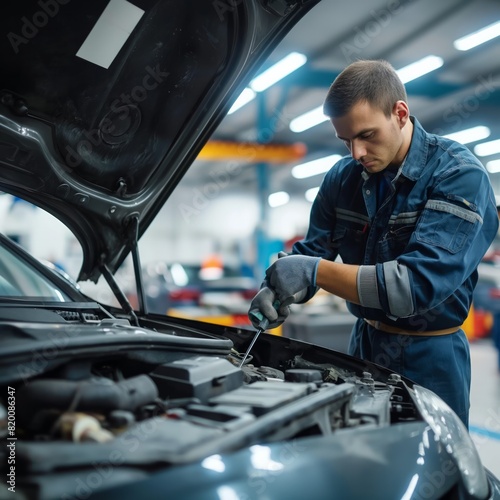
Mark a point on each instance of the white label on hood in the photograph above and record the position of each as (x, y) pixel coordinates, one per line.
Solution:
(110, 33)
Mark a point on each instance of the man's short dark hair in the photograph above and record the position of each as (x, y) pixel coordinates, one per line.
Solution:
(373, 81)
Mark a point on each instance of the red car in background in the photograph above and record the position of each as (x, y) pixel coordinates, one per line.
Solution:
(193, 290)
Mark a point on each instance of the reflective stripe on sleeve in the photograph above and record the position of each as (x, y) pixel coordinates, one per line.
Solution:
(397, 283)
(367, 287)
(444, 206)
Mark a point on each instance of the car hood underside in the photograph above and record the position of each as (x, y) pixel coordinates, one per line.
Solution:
(104, 105)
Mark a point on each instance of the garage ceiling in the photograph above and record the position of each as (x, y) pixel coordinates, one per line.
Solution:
(463, 93)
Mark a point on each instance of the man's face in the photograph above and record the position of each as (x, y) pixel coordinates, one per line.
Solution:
(373, 139)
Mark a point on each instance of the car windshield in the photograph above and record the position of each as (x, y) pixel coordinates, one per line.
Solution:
(18, 279)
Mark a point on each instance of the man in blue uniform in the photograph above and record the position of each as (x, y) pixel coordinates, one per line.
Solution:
(411, 215)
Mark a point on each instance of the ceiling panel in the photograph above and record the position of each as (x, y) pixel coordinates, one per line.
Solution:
(464, 92)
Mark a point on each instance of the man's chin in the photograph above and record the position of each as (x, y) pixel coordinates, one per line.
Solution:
(373, 166)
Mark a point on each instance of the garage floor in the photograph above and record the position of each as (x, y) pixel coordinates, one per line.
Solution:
(484, 420)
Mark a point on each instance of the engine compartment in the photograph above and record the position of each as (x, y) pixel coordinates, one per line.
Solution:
(163, 402)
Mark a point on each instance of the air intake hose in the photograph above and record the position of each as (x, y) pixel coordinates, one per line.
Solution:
(98, 394)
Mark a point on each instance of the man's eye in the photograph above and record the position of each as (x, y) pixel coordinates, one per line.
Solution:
(367, 136)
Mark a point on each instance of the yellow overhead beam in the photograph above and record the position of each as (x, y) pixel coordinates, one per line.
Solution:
(252, 152)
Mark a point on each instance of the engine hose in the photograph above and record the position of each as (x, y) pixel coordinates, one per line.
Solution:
(99, 394)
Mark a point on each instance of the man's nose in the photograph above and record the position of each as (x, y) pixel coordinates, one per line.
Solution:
(357, 150)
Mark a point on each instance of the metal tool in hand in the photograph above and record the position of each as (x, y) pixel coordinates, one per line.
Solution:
(263, 324)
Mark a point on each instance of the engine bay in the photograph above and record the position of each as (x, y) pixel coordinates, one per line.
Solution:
(140, 400)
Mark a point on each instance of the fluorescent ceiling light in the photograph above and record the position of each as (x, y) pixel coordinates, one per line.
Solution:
(279, 198)
(244, 98)
(478, 37)
(314, 167)
(419, 68)
(308, 120)
(311, 194)
(278, 71)
(274, 74)
(493, 167)
(488, 148)
(470, 135)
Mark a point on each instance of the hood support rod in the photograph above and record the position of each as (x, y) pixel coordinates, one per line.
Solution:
(120, 296)
(139, 284)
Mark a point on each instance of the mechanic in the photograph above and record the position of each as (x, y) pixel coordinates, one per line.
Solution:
(410, 214)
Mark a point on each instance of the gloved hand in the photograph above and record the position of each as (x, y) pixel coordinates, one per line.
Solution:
(291, 275)
(263, 302)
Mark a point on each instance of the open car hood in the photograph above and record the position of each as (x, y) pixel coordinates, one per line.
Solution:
(104, 105)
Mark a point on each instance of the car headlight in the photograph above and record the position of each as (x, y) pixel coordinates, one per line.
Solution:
(453, 435)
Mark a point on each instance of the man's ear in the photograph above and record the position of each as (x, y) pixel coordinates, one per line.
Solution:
(402, 112)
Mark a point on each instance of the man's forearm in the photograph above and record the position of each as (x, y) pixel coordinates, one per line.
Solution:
(339, 279)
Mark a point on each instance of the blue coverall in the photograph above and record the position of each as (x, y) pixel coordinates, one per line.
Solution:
(418, 247)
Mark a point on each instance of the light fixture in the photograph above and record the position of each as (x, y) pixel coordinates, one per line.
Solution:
(308, 120)
(487, 148)
(278, 71)
(269, 77)
(469, 135)
(419, 68)
(315, 167)
(279, 198)
(311, 194)
(244, 98)
(493, 166)
(478, 37)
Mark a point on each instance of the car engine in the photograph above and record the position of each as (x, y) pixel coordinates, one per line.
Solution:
(138, 399)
